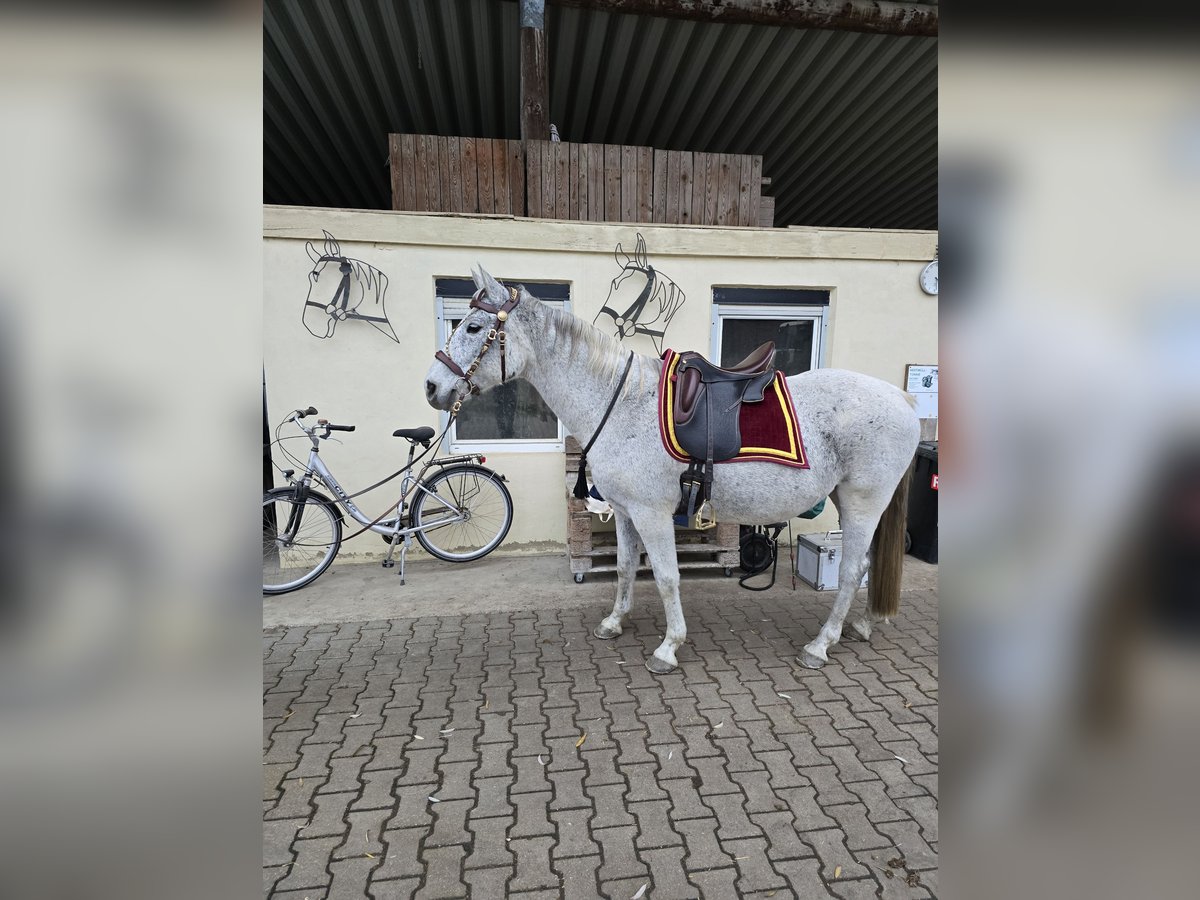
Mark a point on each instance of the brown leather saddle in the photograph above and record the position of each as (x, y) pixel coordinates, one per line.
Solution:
(708, 400)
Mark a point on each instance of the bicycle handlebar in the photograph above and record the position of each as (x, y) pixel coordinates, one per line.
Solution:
(301, 413)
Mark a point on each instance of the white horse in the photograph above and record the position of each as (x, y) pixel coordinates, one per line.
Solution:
(860, 434)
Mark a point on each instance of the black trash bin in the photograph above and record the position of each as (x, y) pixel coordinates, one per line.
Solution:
(923, 505)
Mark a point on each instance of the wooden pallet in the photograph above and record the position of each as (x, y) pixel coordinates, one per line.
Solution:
(592, 551)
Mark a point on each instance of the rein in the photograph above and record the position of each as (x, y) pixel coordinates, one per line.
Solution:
(495, 333)
(581, 488)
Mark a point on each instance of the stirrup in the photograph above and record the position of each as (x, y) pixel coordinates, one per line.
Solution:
(704, 517)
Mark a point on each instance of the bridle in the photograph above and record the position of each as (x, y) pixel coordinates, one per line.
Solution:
(495, 333)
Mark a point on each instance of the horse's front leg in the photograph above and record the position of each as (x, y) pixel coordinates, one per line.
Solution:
(627, 562)
(856, 541)
(658, 536)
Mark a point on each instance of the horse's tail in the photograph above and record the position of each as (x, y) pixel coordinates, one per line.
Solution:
(887, 553)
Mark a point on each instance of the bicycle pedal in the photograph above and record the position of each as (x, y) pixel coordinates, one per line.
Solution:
(388, 563)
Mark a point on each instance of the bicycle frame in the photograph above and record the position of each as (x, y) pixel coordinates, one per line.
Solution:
(408, 486)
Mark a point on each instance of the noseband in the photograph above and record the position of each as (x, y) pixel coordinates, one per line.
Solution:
(495, 333)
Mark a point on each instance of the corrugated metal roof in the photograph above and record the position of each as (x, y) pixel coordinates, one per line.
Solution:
(846, 122)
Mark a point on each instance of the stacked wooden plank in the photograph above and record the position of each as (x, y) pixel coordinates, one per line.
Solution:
(580, 182)
(593, 551)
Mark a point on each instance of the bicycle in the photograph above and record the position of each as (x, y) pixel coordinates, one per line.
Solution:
(459, 514)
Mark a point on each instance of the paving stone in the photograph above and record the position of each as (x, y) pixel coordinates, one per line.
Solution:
(277, 841)
(830, 847)
(297, 800)
(490, 846)
(686, 802)
(717, 884)
(568, 790)
(643, 782)
(906, 837)
(449, 823)
(757, 788)
(578, 875)
(308, 871)
(443, 874)
(880, 807)
(713, 779)
(401, 857)
(532, 776)
(654, 825)
(925, 812)
(533, 815)
(780, 830)
(533, 864)
(485, 883)
(731, 814)
(610, 805)
(755, 871)
(345, 774)
(852, 819)
(803, 876)
(601, 768)
(668, 876)
(365, 835)
(492, 798)
(377, 790)
(620, 860)
(350, 877)
(574, 833)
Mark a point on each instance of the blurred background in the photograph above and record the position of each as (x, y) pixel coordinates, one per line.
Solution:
(1069, 201)
(130, 384)
(130, 378)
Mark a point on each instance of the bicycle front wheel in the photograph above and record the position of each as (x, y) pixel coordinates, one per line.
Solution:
(299, 541)
(462, 513)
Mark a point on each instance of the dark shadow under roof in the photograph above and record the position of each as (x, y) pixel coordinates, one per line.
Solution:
(846, 122)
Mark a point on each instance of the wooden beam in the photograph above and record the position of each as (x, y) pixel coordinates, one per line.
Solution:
(873, 16)
(535, 79)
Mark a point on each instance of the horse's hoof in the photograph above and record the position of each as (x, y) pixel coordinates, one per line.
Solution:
(862, 628)
(658, 667)
(605, 633)
(811, 660)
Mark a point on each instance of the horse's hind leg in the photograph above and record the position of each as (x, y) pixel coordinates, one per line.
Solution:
(658, 535)
(627, 561)
(859, 512)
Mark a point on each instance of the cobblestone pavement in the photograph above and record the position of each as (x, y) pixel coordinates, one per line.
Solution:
(560, 767)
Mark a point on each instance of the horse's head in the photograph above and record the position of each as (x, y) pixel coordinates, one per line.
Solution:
(485, 349)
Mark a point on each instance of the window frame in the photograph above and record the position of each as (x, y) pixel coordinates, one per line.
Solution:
(448, 308)
(819, 314)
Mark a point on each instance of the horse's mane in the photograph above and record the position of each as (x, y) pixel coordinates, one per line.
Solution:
(605, 354)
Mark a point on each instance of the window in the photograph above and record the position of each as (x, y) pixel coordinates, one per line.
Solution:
(511, 416)
(795, 319)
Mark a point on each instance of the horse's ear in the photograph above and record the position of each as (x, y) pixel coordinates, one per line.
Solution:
(621, 256)
(640, 252)
(494, 288)
(480, 284)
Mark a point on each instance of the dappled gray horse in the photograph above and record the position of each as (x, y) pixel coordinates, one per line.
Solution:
(860, 434)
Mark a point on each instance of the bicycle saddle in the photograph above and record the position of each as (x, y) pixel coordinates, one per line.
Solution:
(414, 434)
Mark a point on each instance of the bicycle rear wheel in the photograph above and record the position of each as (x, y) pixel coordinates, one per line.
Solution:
(474, 508)
(289, 564)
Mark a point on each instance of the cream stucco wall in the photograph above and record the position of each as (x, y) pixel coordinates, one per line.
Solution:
(879, 320)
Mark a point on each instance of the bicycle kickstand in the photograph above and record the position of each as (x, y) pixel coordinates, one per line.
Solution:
(404, 555)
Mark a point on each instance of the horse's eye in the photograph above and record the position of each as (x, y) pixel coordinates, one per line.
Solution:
(473, 328)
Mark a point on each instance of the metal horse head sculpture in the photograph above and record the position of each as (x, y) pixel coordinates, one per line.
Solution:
(651, 312)
(357, 280)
